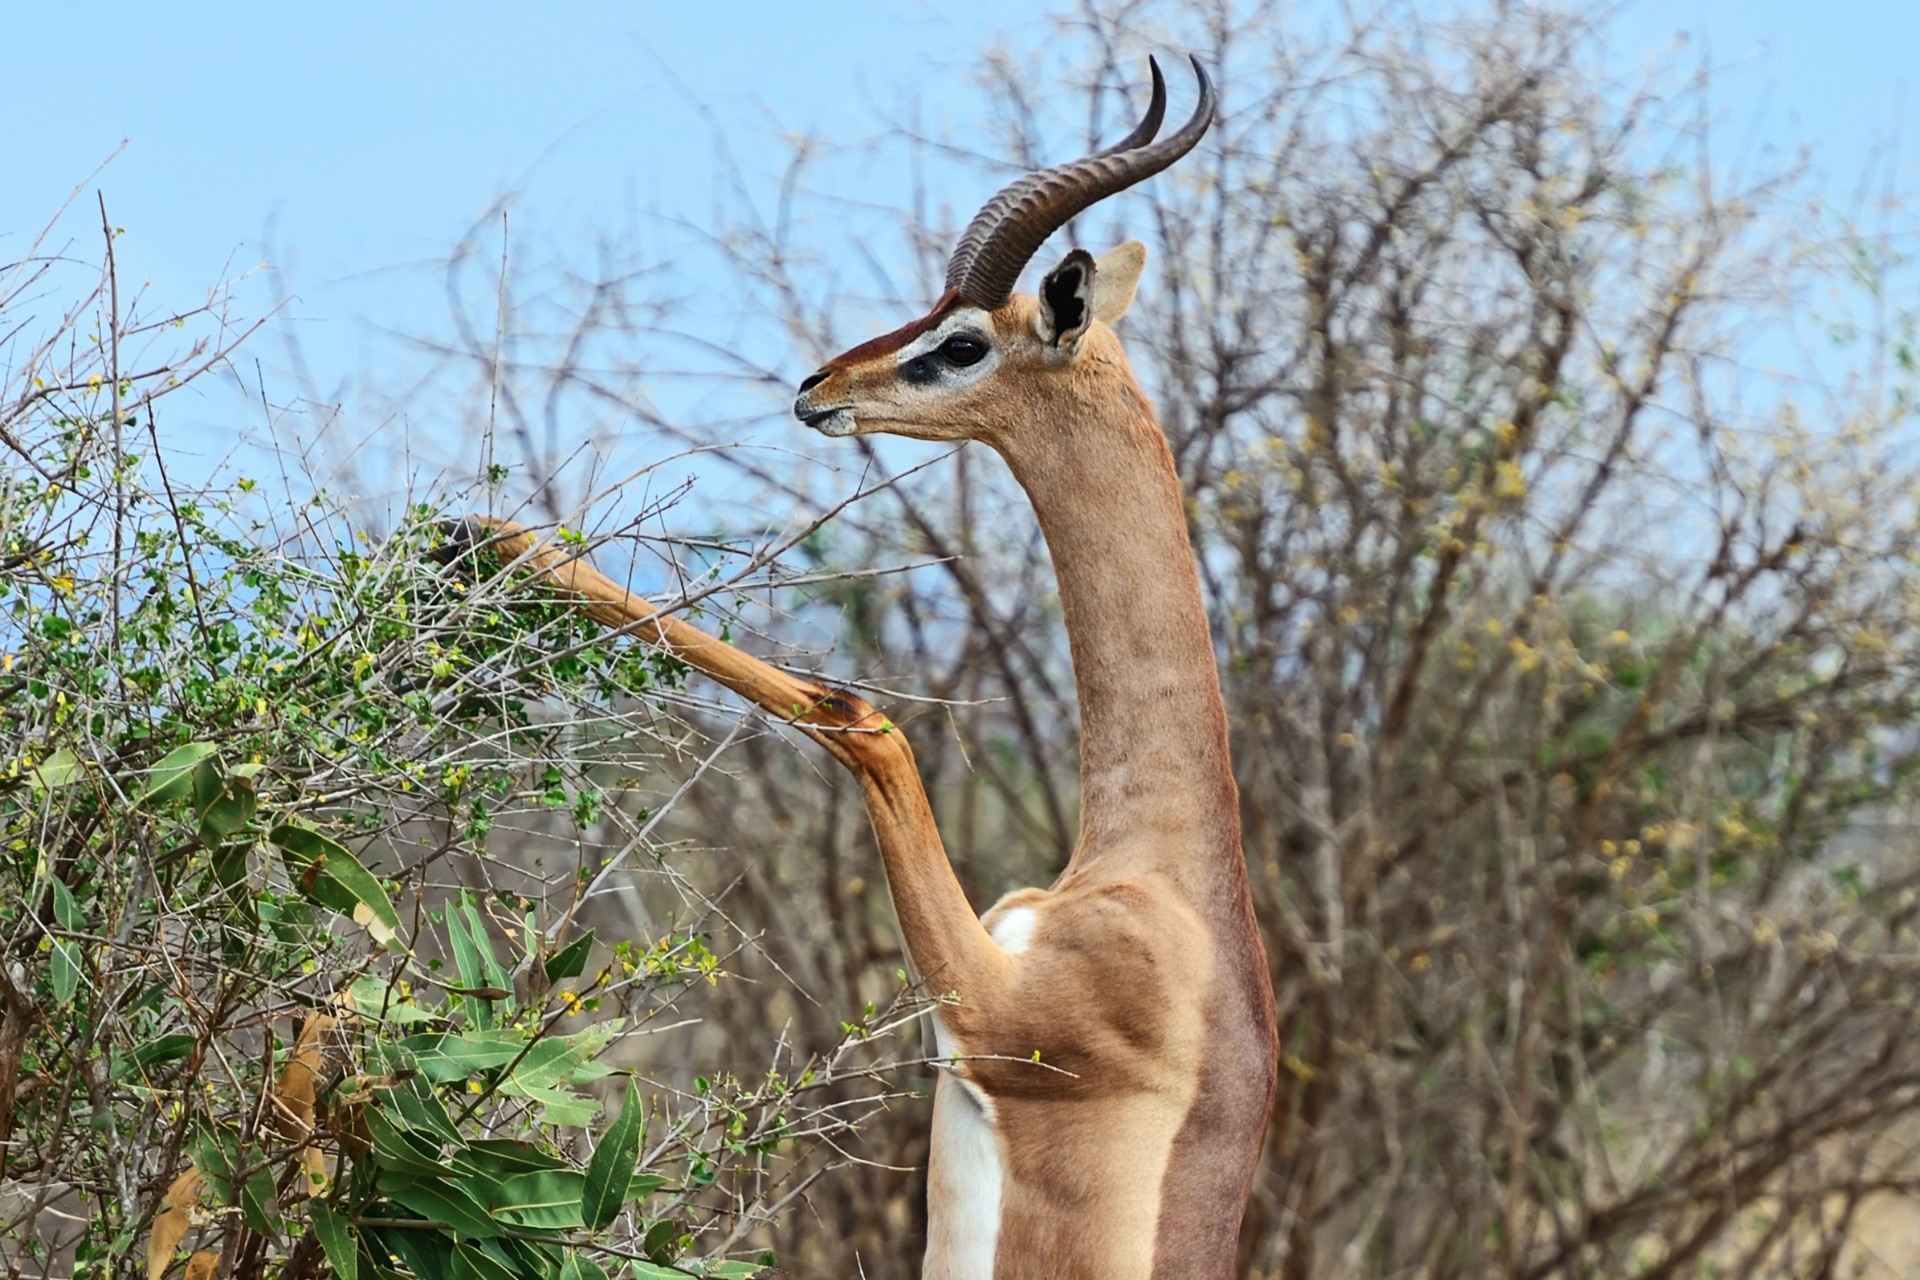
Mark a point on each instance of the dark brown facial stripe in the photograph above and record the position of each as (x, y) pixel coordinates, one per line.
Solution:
(888, 343)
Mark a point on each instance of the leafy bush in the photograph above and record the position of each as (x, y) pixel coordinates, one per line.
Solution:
(244, 1007)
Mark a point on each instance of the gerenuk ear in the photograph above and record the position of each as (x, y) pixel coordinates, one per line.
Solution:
(1115, 277)
(1066, 300)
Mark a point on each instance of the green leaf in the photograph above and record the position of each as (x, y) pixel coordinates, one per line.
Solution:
(402, 1149)
(734, 1270)
(473, 957)
(715, 1269)
(230, 867)
(579, 1267)
(571, 960)
(172, 778)
(662, 1240)
(428, 1254)
(559, 1107)
(471, 1262)
(531, 1258)
(563, 1060)
(545, 1198)
(258, 1206)
(161, 1050)
(442, 1202)
(509, 1153)
(454, 1055)
(502, 1158)
(213, 1159)
(335, 1234)
(208, 784)
(61, 769)
(65, 909)
(334, 878)
(377, 998)
(610, 1172)
(64, 970)
(414, 1105)
(230, 810)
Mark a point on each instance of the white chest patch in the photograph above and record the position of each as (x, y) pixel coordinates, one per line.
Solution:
(965, 1182)
(1014, 930)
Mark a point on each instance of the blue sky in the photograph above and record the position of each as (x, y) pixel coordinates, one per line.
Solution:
(353, 142)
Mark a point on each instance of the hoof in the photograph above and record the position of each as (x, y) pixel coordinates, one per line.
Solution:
(463, 536)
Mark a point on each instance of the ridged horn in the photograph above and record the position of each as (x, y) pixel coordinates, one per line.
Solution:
(1009, 228)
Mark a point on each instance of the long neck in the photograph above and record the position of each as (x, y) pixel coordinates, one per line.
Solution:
(1154, 772)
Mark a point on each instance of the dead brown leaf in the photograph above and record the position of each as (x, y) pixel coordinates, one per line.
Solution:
(171, 1223)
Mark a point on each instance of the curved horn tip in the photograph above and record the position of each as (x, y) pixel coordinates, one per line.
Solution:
(1149, 125)
(1015, 222)
(1200, 74)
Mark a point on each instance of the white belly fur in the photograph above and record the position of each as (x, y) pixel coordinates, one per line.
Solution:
(966, 1169)
(966, 1175)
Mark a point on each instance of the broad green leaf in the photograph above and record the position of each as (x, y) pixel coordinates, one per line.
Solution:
(563, 1060)
(545, 1198)
(472, 1262)
(61, 769)
(402, 1149)
(559, 1107)
(334, 878)
(63, 970)
(473, 957)
(720, 1269)
(248, 770)
(580, 1267)
(172, 778)
(662, 1240)
(541, 1259)
(161, 1050)
(258, 1206)
(610, 1171)
(502, 1158)
(229, 811)
(428, 1254)
(230, 866)
(734, 1270)
(454, 1055)
(375, 997)
(413, 1104)
(335, 1234)
(442, 1202)
(213, 1155)
(208, 784)
(65, 909)
(570, 961)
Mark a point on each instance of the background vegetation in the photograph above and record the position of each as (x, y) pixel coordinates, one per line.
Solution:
(1555, 499)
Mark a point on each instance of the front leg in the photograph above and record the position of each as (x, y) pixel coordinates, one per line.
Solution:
(945, 941)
